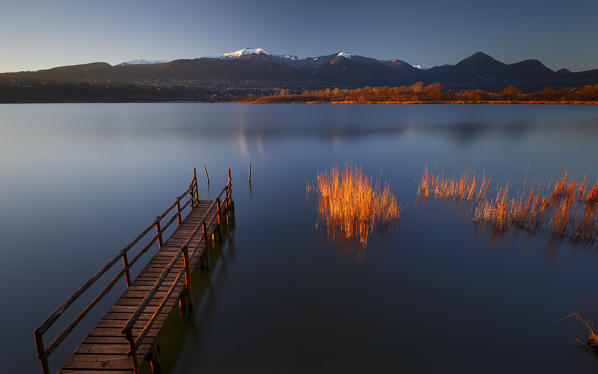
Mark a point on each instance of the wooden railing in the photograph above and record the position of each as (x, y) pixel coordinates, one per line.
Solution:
(222, 207)
(44, 352)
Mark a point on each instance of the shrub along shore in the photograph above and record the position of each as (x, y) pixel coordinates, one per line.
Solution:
(419, 93)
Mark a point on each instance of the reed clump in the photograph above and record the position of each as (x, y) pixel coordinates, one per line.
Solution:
(569, 208)
(461, 187)
(353, 205)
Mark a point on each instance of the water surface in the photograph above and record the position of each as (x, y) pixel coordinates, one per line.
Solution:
(439, 294)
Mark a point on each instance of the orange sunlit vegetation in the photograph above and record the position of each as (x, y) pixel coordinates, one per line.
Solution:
(569, 208)
(350, 204)
(418, 92)
(465, 186)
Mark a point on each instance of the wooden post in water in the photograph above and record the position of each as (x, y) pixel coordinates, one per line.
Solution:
(41, 353)
(206, 170)
(158, 232)
(250, 172)
(126, 265)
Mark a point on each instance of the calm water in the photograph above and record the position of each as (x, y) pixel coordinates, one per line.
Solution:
(438, 295)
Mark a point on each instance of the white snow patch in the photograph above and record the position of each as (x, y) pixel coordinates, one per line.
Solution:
(142, 61)
(344, 54)
(247, 52)
(288, 57)
(244, 52)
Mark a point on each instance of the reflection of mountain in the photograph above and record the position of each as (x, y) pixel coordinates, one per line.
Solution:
(255, 69)
(470, 132)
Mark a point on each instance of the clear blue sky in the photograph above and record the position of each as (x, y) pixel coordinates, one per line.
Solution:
(37, 34)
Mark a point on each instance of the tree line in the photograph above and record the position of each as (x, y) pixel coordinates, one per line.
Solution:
(418, 92)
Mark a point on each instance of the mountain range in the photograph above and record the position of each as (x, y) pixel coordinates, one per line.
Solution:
(257, 69)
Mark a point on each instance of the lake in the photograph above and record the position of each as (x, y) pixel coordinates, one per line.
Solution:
(438, 294)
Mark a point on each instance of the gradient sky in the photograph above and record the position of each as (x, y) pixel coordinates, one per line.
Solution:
(36, 34)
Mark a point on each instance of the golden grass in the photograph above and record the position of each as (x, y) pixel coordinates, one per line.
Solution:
(568, 209)
(462, 186)
(352, 205)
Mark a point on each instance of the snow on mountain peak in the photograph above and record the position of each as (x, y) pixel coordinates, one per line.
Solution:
(245, 52)
(344, 54)
(142, 61)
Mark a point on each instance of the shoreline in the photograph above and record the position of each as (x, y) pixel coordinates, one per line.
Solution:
(503, 102)
(419, 102)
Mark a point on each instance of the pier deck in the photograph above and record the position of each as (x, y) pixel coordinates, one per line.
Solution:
(125, 337)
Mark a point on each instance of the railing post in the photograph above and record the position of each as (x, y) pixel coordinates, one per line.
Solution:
(158, 232)
(205, 262)
(218, 207)
(187, 272)
(196, 189)
(41, 353)
(126, 265)
(132, 349)
(178, 210)
(226, 198)
(230, 207)
(228, 190)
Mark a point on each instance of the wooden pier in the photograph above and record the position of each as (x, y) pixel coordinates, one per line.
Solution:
(126, 336)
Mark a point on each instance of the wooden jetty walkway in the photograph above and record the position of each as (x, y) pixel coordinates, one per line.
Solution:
(126, 336)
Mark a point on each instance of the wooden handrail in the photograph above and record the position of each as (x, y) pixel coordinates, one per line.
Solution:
(134, 343)
(74, 323)
(44, 352)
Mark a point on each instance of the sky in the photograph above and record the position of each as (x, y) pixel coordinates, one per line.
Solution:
(39, 34)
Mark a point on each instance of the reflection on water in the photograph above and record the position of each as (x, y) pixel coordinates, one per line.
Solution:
(183, 330)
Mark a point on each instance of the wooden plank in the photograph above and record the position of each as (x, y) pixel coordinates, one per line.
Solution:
(98, 362)
(120, 349)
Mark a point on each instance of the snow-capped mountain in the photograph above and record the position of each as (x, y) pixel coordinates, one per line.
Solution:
(260, 51)
(248, 52)
(244, 52)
